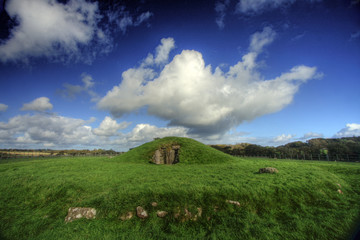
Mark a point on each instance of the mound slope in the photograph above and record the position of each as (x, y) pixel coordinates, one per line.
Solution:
(191, 151)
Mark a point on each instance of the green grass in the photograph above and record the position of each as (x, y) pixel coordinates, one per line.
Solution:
(191, 152)
(300, 202)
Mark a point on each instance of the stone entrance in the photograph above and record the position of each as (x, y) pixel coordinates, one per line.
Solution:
(167, 155)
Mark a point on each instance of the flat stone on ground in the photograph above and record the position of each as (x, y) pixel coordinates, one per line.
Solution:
(80, 212)
(268, 170)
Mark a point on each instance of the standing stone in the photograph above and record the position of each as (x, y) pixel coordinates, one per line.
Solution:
(157, 158)
(141, 213)
(167, 155)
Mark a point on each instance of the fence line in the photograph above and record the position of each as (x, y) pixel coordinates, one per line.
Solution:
(314, 157)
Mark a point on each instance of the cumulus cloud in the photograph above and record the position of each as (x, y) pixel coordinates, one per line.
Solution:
(71, 31)
(40, 104)
(40, 129)
(351, 129)
(3, 107)
(147, 132)
(50, 130)
(109, 127)
(71, 91)
(48, 28)
(188, 93)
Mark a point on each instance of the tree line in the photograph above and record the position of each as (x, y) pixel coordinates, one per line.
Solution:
(347, 149)
(48, 152)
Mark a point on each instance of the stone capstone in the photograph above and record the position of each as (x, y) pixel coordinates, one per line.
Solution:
(79, 212)
(167, 155)
(268, 170)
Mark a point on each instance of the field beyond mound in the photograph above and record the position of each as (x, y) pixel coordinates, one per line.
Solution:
(191, 151)
(208, 195)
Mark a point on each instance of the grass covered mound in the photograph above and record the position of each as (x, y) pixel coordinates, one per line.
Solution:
(301, 201)
(191, 151)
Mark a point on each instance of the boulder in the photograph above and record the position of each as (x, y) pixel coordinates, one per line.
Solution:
(80, 212)
(141, 213)
(268, 170)
(167, 155)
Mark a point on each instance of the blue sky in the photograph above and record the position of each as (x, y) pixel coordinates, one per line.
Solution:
(115, 74)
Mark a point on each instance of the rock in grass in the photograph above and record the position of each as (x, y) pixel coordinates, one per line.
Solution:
(199, 213)
(268, 170)
(126, 216)
(80, 212)
(141, 213)
(161, 214)
(154, 204)
(234, 202)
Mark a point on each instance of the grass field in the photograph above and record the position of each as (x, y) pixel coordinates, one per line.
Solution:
(300, 202)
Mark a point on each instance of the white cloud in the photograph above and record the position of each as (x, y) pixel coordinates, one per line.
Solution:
(162, 53)
(62, 32)
(24, 130)
(119, 18)
(48, 28)
(3, 107)
(188, 93)
(143, 18)
(220, 8)
(72, 91)
(260, 39)
(258, 6)
(147, 132)
(39, 104)
(351, 129)
(50, 130)
(283, 138)
(253, 6)
(109, 127)
(312, 135)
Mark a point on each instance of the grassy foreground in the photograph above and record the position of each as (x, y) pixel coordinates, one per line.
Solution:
(300, 202)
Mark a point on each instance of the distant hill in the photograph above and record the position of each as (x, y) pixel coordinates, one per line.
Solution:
(335, 147)
(191, 151)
